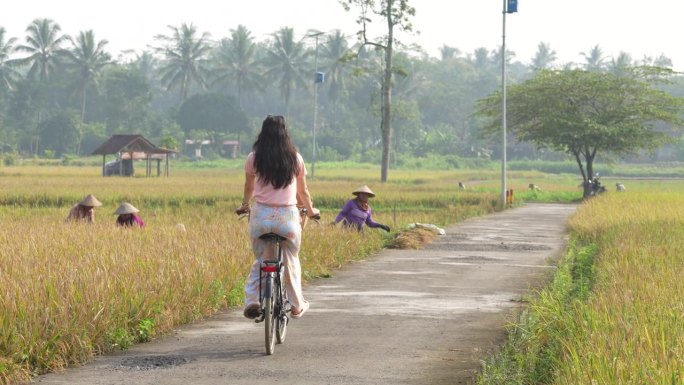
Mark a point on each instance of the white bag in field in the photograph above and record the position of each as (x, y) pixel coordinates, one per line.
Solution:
(428, 226)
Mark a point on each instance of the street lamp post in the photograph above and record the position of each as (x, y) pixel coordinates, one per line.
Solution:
(512, 7)
(317, 81)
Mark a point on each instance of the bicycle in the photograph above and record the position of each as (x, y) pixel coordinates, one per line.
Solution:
(272, 294)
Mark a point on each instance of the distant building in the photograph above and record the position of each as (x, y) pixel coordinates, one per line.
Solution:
(128, 148)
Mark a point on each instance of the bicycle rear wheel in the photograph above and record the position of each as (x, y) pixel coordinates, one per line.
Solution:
(269, 316)
(282, 320)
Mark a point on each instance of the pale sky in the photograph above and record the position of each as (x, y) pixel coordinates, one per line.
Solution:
(640, 28)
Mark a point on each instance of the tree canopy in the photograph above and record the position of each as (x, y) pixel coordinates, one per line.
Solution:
(396, 14)
(213, 113)
(583, 112)
(423, 105)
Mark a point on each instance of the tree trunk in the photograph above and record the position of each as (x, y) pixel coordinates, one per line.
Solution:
(385, 125)
(80, 126)
(588, 186)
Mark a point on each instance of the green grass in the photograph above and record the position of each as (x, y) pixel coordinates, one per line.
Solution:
(103, 289)
(73, 290)
(613, 314)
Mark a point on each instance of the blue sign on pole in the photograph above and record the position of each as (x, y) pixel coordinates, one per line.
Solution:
(320, 77)
(512, 6)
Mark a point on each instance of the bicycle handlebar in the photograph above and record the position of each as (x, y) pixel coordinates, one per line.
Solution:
(242, 211)
(316, 217)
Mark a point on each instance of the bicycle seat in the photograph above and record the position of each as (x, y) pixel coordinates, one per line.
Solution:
(272, 237)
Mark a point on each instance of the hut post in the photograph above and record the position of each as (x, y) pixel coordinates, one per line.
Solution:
(103, 164)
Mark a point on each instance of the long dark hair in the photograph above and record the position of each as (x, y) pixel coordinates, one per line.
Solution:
(275, 157)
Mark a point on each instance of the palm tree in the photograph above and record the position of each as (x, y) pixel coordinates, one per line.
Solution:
(286, 63)
(446, 52)
(146, 63)
(660, 61)
(480, 58)
(621, 63)
(595, 60)
(43, 44)
(336, 53)
(496, 57)
(236, 63)
(185, 57)
(544, 57)
(88, 58)
(8, 74)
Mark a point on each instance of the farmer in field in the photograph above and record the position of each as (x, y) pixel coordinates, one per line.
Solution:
(275, 176)
(84, 211)
(128, 216)
(357, 212)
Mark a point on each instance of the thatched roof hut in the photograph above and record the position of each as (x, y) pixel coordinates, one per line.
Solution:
(133, 147)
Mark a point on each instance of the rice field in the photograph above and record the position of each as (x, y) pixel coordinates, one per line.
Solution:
(631, 329)
(614, 313)
(71, 291)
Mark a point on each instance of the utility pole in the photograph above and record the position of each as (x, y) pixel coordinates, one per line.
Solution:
(511, 8)
(319, 78)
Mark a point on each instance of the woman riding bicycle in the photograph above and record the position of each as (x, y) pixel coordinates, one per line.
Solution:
(275, 176)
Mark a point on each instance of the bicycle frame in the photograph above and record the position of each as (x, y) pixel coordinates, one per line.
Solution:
(272, 296)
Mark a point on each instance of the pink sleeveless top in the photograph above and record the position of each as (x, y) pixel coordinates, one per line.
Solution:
(266, 194)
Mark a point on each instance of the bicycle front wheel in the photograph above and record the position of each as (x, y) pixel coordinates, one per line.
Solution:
(269, 317)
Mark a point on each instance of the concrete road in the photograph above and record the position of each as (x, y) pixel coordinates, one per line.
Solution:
(400, 317)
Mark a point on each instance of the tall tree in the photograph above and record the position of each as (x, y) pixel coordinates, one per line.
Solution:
(286, 63)
(44, 46)
(8, 72)
(544, 57)
(584, 113)
(481, 59)
(61, 132)
(660, 61)
(397, 14)
(621, 65)
(127, 99)
(215, 114)
(335, 55)
(236, 63)
(88, 58)
(185, 58)
(595, 60)
(147, 64)
(44, 42)
(446, 52)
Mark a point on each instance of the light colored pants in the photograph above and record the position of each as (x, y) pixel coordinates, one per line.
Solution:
(284, 221)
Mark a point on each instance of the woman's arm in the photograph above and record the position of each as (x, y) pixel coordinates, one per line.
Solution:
(249, 189)
(304, 197)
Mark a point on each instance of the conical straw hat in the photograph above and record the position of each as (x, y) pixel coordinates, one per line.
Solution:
(364, 189)
(126, 208)
(90, 201)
